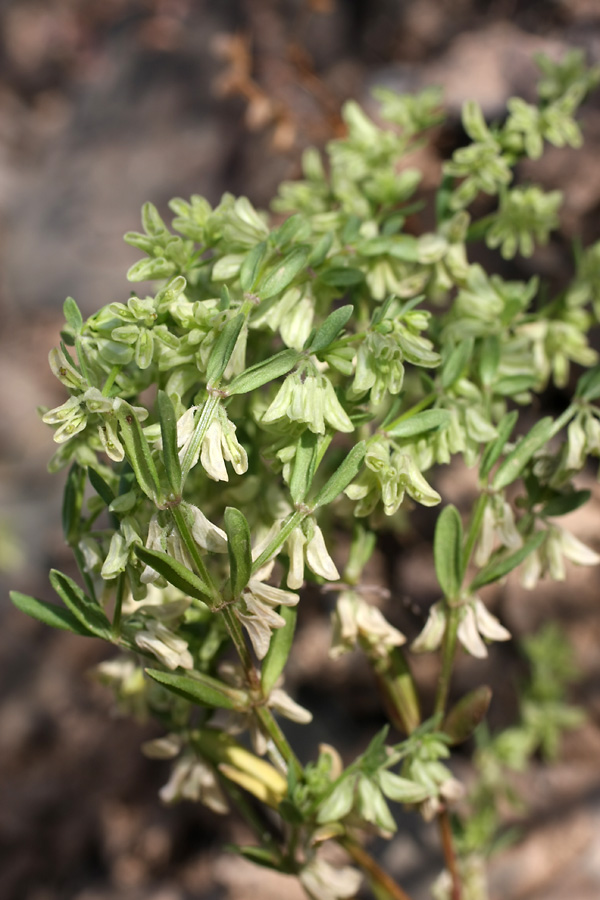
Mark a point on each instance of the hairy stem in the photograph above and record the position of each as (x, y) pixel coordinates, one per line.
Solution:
(384, 883)
(448, 650)
(450, 853)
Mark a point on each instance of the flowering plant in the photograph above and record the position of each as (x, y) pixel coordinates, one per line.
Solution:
(302, 378)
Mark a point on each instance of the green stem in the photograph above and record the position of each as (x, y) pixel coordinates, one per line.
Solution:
(188, 540)
(272, 729)
(110, 380)
(116, 624)
(474, 529)
(280, 538)
(398, 690)
(448, 650)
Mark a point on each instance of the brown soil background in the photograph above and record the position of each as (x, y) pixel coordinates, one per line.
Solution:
(105, 104)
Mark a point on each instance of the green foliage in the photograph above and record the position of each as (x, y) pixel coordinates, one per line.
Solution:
(290, 385)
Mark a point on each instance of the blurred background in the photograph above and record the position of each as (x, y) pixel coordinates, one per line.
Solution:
(105, 104)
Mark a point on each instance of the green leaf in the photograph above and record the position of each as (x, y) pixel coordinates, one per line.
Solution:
(342, 477)
(341, 277)
(514, 384)
(102, 488)
(49, 613)
(494, 449)
(239, 548)
(565, 503)
(263, 372)
(588, 386)
(498, 568)
(251, 266)
(456, 362)
(280, 277)
(223, 349)
(168, 430)
(320, 250)
(138, 452)
(175, 572)
(447, 551)
(85, 610)
(200, 689)
(330, 328)
(305, 463)
(72, 314)
(516, 461)
(279, 649)
(258, 855)
(72, 503)
(419, 423)
(489, 359)
(467, 714)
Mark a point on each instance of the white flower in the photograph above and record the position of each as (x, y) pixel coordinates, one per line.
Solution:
(549, 559)
(206, 535)
(498, 523)
(256, 609)
(322, 881)
(476, 622)
(193, 779)
(171, 650)
(219, 445)
(309, 399)
(166, 747)
(355, 619)
(308, 542)
(431, 636)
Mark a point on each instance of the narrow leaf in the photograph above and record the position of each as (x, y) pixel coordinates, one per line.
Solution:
(72, 314)
(456, 362)
(342, 477)
(467, 714)
(588, 386)
(239, 548)
(200, 689)
(138, 452)
(330, 328)
(305, 463)
(263, 372)
(447, 551)
(49, 613)
(251, 266)
(498, 568)
(102, 488)
(341, 277)
(279, 649)
(516, 461)
(175, 572)
(85, 610)
(493, 451)
(72, 503)
(514, 384)
(223, 349)
(168, 430)
(565, 503)
(280, 277)
(419, 423)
